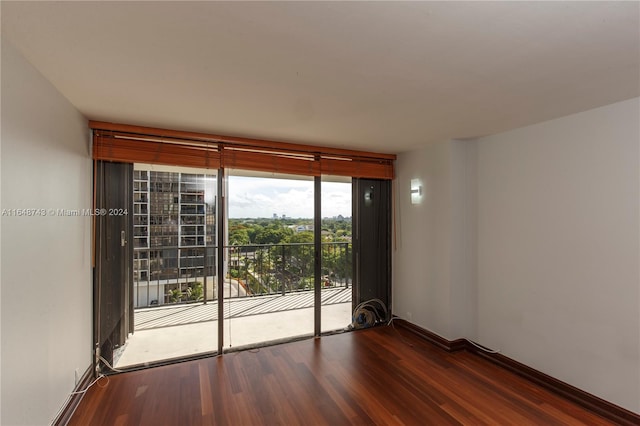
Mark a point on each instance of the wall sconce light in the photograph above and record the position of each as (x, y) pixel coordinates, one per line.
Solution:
(368, 196)
(416, 191)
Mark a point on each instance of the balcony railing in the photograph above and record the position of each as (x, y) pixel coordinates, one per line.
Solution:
(172, 275)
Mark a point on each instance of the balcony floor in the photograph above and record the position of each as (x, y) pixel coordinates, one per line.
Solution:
(168, 332)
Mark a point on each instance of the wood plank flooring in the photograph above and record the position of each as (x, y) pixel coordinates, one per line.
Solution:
(382, 376)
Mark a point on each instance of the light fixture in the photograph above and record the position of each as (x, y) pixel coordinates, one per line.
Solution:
(416, 191)
(368, 196)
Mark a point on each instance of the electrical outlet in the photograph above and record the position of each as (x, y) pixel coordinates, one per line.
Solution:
(409, 316)
(76, 376)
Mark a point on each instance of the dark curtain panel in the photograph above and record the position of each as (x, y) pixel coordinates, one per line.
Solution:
(113, 274)
(372, 240)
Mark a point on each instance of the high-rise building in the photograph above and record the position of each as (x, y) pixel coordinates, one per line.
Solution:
(174, 234)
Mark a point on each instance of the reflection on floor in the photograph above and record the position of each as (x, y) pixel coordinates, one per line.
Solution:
(176, 331)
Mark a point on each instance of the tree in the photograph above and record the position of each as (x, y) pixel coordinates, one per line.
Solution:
(299, 257)
(239, 237)
(302, 237)
(273, 234)
(336, 262)
(194, 291)
(175, 295)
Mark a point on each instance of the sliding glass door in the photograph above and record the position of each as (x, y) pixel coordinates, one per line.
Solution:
(337, 253)
(174, 264)
(175, 298)
(268, 288)
(184, 272)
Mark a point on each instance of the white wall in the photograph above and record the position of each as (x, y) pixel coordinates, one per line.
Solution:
(558, 249)
(434, 260)
(46, 265)
(529, 242)
(463, 235)
(422, 257)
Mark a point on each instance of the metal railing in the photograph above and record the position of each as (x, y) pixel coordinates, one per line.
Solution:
(172, 275)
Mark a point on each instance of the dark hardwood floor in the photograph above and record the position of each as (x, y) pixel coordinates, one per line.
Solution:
(381, 376)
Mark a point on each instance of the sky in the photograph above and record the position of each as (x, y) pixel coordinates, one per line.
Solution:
(256, 197)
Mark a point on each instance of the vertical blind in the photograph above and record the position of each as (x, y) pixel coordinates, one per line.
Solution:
(135, 144)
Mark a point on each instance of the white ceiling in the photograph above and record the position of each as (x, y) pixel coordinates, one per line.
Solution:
(378, 76)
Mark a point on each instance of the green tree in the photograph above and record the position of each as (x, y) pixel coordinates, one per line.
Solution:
(299, 257)
(175, 295)
(239, 237)
(302, 237)
(273, 234)
(194, 291)
(336, 262)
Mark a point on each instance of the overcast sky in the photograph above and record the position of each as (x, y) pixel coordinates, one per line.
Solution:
(261, 198)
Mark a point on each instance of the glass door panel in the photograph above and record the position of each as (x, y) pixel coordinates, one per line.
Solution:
(337, 252)
(174, 264)
(268, 287)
